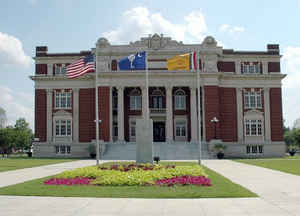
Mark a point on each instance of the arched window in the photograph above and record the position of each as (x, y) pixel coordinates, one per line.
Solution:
(157, 99)
(180, 100)
(135, 99)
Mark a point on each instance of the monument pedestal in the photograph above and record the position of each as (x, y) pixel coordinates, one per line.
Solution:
(144, 141)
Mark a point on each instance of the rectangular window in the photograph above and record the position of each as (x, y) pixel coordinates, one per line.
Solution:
(132, 128)
(260, 149)
(252, 100)
(254, 149)
(63, 128)
(247, 128)
(180, 102)
(180, 128)
(62, 149)
(135, 102)
(60, 69)
(251, 68)
(248, 149)
(63, 100)
(253, 128)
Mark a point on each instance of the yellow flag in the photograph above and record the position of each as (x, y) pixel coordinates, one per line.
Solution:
(179, 62)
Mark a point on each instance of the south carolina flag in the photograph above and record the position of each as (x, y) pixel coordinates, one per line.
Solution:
(133, 62)
(183, 62)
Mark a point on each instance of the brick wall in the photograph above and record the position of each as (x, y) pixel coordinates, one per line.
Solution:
(104, 115)
(276, 114)
(87, 115)
(228, 114)
(273, 67)
(211, 104)
(41, 114)
(41, 69)
(226, 66)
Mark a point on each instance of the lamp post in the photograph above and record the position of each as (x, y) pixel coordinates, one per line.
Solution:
(215, 121)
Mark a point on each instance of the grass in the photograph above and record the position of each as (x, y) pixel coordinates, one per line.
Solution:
(15, 163)
(288, 164)
(221, 187)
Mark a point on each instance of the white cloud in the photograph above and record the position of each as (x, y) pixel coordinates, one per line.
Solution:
(140, 21)
(11, 51)
(231, 29)
(291, 87)
(17, 105)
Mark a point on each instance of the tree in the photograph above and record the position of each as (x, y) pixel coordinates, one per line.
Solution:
(23, 134)
(21, 124)
(7, 140)
(3, 118)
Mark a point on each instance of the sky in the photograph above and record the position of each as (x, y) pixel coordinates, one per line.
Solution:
(75, 25)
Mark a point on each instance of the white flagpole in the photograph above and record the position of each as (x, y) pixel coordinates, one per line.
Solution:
(147, 86)
(97, 113)
(199, 113)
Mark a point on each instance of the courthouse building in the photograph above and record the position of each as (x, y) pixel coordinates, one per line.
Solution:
(239, 89)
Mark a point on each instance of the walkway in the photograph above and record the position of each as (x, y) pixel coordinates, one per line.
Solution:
(18, 176)
(279, 195)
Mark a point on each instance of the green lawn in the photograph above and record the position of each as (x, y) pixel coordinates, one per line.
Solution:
(288, 164)
(15, 163)
(221, 187)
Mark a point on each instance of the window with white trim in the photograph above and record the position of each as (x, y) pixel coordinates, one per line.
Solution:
(135, 100)
(180, 128)
(157, 99)
(60, 69)
(63, 100)
(132, 130)
(63, 149)
(252, 99)
(63, 127)
(180, 100)
(254, 149)
(253, 127)
(251, 68)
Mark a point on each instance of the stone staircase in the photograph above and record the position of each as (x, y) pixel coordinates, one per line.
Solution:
(166, 151)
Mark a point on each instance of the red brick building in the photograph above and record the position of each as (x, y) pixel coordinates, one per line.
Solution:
(241, 89)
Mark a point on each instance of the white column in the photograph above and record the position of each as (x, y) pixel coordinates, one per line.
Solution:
(144, 102)
(169, 122)
(267, 114)
(121, 114)
(76, 115)
(265, 67)
(240, 120)
(50, 69)
(49, 114)
(238, 66)
(194, 118)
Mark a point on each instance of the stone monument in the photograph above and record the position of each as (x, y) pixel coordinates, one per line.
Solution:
(144, 141)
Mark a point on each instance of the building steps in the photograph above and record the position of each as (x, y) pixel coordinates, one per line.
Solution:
(166, 151)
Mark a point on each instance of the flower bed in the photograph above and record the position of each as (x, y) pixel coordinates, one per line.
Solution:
(68, 181)
(132, 174)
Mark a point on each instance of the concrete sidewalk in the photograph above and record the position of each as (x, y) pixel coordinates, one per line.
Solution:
(279, 189)
(279, 195)
(21, 175)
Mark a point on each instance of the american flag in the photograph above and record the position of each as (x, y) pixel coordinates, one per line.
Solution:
(81, 66)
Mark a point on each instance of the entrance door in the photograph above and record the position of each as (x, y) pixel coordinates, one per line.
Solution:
(159, 134)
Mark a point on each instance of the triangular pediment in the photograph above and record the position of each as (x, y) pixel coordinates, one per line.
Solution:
(253, 112)
(62, 113)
